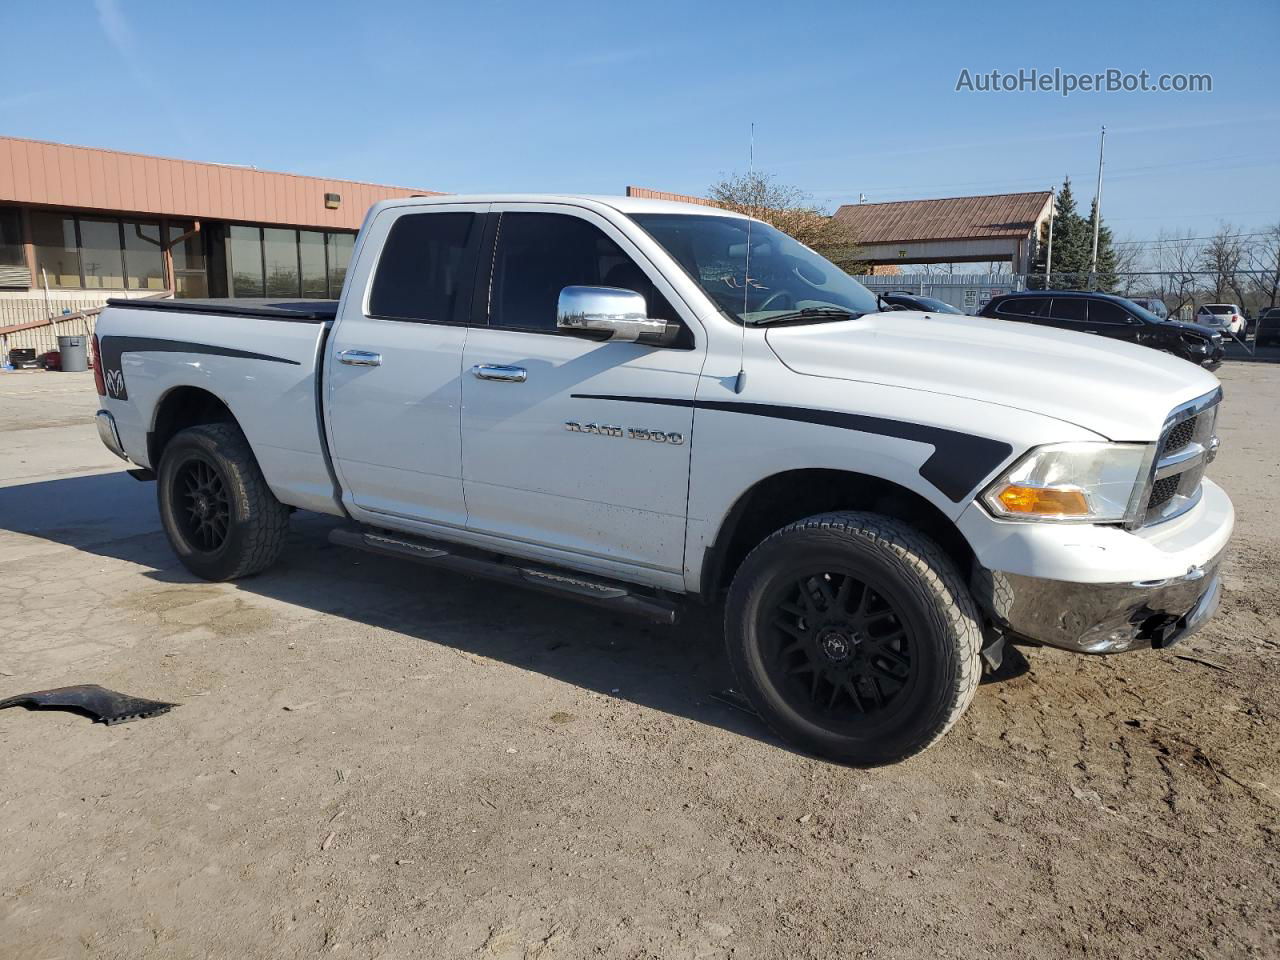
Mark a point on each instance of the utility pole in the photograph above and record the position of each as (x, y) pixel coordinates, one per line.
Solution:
(1048, 254)
(1097, 213)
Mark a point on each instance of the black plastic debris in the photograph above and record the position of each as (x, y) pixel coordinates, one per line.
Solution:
(103, 705)
(732, 698)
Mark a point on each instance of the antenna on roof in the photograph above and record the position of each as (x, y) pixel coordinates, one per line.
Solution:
(740, 383)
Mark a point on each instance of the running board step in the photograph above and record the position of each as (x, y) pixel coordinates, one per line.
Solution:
(491, 566)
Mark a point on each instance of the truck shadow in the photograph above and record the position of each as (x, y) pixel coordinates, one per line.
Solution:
(679, 670)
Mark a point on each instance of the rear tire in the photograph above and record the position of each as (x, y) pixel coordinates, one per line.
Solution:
(221, 518)
(854, 637)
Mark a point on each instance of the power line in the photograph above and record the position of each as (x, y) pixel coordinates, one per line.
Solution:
(1221, 162)
(1160, 242)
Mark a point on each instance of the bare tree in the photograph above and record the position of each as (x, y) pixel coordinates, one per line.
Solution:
(1176, 256)
(1263, 256)
(1223, 259)
(1129, 255)
(792, 211)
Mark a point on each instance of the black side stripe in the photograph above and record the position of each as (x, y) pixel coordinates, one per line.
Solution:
(959, 462)
(113, 348)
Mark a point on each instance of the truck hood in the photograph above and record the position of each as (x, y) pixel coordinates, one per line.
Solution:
(1122, 391)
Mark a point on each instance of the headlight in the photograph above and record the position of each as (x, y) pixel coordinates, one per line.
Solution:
(1080, 482)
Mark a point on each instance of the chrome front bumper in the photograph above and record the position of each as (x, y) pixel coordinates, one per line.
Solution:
(1101, 617)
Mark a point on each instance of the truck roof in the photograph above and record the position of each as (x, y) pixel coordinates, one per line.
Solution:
(621, 204)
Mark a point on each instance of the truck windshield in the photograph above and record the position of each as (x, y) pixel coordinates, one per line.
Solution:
(758, 277)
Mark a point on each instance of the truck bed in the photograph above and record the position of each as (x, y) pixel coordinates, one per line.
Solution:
(259, 358)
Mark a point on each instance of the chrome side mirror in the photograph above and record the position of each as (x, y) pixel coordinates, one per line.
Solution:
(622, 314)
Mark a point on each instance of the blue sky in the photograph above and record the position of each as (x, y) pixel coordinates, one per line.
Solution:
(847, 98)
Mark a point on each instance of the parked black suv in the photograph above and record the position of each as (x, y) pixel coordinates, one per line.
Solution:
(1109, 316)
(1267, 330)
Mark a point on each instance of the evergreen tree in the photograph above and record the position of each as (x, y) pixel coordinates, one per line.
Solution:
(1105, 278)
(1072, 240)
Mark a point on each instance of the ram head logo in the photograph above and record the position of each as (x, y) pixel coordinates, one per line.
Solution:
(115, 383)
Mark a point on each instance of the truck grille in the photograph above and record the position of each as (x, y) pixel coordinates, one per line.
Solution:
(1162, 492)
(1186, 447)
(1181, 435)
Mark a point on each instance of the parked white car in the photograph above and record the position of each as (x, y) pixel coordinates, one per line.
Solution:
(1225, 317)
(594, 397)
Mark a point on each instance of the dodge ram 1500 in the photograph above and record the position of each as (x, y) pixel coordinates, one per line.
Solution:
(644, 404)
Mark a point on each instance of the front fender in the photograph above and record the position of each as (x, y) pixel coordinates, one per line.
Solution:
(941, 449)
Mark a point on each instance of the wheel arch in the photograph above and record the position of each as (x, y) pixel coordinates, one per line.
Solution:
(782, 498)
(182, 407)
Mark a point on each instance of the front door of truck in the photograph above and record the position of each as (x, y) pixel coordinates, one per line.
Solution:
(392, 375)
(575, 446)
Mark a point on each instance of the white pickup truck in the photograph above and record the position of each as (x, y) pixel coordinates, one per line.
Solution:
(643, 404)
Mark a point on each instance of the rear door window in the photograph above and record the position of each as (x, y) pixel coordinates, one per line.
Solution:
(426, 269)
(1068, 310)
(1023, 307)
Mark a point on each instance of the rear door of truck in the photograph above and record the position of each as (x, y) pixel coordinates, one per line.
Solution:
(392, 373)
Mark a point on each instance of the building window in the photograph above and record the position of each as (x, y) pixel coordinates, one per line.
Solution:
(11, 253)
(339, 247)
(101, 254)
(281, 261)
(190, 278)
(315, 281)
(143, 256)
(276, 262)
(97, 253)
(57, 251)
(246, 262)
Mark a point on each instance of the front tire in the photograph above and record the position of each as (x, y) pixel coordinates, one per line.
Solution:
(854, 637)
(221, 518)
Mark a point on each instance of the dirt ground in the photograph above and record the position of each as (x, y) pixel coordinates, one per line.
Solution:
(371, 760)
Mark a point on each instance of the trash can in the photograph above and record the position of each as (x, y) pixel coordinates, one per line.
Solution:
(75, 358)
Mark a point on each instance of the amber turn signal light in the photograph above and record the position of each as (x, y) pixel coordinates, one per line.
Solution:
(1043, 501)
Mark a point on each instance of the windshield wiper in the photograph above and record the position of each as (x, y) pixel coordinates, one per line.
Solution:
(807, 315)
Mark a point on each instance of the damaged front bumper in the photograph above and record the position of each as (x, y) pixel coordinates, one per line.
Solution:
(1101, 617)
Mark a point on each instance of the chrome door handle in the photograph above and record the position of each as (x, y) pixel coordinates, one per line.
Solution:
(496, 371)
(360, 358)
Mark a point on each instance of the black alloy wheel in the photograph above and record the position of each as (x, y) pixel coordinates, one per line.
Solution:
(205, 512)
(854, 637)
(220, 515)
(841, 645)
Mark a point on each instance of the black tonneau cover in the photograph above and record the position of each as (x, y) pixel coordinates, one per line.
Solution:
(294, 310)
